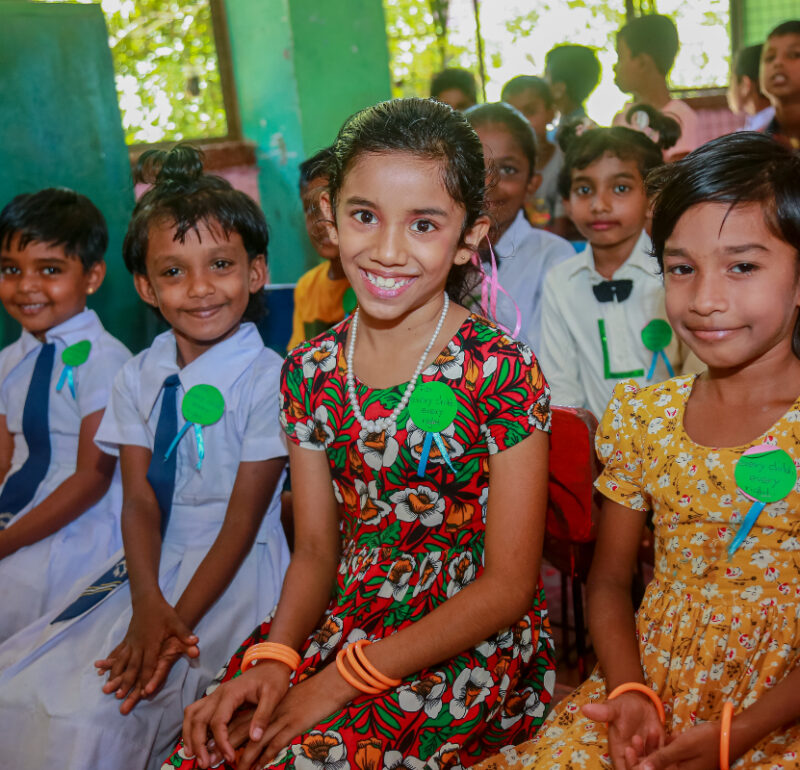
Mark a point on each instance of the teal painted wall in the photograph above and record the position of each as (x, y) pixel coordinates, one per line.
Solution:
(61, 127)
(301, 67)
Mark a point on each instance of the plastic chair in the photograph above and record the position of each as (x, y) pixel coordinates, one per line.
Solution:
(572, 509)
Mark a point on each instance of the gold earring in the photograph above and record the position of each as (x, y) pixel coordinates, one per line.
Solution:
(90, 291)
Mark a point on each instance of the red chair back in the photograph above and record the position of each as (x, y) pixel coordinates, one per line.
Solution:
(571, 508)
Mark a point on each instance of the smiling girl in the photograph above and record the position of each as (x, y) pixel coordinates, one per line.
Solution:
(718, 630)
(204, 552)
(411, 628)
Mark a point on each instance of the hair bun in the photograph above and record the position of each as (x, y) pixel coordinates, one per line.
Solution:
(179, 167)
(572, 129)
(661, 129)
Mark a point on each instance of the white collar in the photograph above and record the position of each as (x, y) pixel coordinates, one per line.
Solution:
(220, 366)
(639, 258)
(508, 243)
(82, 326)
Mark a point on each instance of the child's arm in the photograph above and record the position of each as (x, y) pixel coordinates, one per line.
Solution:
(147, 669)
(698, 747)
(633, 721)
(78, 492)
(6, 448)
(499, 597)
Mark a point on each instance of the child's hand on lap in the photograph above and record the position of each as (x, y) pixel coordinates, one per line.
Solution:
(634, 728)
(139, 664)
(694, 749)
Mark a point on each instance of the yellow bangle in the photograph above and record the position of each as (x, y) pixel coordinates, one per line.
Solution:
(644, 690)
(350, 679)
(725, 736)
(271, 651)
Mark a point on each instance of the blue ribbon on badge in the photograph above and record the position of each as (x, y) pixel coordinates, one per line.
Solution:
(426, 450)
(66, 377)
(745, 527)
(652, 370)
(198, 434)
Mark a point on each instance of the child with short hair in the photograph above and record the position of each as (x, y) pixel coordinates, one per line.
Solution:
(532, 97)
(646, 50)
(456, 87)
(411, 629)
(524, 253)
(596, 305)
(714, 457)
(60, 497)
(320, 293)
(202, 562)
(744, 91)
(780, 81)
(572, 72)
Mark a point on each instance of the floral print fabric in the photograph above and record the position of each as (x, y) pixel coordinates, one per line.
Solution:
(408, 544)
(709, 629)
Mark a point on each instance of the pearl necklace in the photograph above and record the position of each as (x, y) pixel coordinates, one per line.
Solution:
(375, 426)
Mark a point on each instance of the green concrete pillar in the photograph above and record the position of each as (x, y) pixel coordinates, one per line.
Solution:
(301, 67)
(61, 127)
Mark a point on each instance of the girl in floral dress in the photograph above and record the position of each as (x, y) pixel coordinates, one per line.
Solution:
(720, 622)
(418, 443)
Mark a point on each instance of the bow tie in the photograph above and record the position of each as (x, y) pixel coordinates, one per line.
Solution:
(608, 291)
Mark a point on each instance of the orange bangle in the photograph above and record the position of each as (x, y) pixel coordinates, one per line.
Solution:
(360, 671)
(383, 680)
(644, 690)
(725, 736)
(350, 679)
(271, 651)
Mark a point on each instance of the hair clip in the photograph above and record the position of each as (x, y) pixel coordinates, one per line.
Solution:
(640, 120)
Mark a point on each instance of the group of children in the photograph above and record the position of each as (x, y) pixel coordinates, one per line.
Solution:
(409, 626)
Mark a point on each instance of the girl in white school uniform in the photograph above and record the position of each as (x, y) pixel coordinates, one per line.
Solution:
(61, 496)
(204, 553)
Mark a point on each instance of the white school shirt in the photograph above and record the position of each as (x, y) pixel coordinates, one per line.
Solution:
(35, 579)
(760, 120)
(74, 725)
(572, 352)
(525, 255)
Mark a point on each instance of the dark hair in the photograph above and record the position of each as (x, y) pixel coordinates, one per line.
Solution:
(454, 77)
(576, 66)
(522, 83)
(58, 217)
(427, 129)
(791, 27)
(655, 36)
(744, 167)
(583, 147)
(500, 113)
(748, 62)
(315, 167)
(184, 196)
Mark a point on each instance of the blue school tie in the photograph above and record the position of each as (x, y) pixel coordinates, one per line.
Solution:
(21, 486)
(161, 475)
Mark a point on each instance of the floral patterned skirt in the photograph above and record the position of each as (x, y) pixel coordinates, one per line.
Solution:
(448, 716)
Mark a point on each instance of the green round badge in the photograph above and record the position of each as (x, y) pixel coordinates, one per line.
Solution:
(657, 335)
(349, 301)
(203, 405)
(76, 354)
(433, 406)
(766, 474)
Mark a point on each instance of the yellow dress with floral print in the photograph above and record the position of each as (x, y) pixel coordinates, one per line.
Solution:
(709, 629)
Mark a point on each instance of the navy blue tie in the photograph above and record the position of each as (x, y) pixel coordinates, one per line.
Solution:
(21, 486)
(161, 475)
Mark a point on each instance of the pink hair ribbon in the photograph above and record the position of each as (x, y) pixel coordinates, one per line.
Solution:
(490, 285)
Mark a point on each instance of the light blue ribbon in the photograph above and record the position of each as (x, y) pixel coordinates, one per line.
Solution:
(426, 450)
(198, 434)
(66, 376)
(653, 363)
(745, 526)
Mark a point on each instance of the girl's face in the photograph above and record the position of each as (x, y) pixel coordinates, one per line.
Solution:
(513, 179)
(399, 233)
(533, 107)
(732, 287)
(201, 286)
(607, 202)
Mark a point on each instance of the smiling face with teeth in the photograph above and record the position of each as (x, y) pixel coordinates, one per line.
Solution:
(41, 287)
(399, 233)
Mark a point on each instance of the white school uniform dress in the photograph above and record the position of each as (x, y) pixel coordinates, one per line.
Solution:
(572, 351)
(35, 579)
(52, 710)
(525, 256)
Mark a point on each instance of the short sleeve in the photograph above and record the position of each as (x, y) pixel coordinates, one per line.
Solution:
(618, 446)
(263, 439)
(94, 380)
(516, 402)
(122, 421)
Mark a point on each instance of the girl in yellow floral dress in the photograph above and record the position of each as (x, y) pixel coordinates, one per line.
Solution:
(720, 622)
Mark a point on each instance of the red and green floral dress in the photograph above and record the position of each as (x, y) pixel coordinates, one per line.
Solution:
(408, 544)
